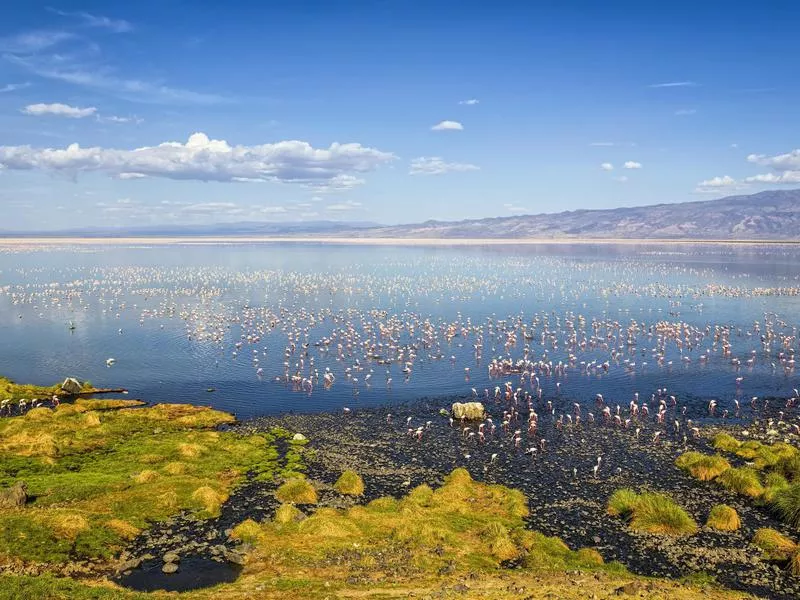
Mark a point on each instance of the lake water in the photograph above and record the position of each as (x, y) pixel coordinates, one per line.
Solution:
(180, 320)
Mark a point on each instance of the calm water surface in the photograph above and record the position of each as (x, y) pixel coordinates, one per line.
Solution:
(182, 319)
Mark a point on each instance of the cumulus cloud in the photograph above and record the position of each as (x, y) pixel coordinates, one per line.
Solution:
(790, 177)
(632, 164)
(607, 166)
(785, 167)
(204, 159)
(59, 110)
(448, 126)
(724, 181)
(715, 185)
(116, 119)
(435, 165)
(470, 102)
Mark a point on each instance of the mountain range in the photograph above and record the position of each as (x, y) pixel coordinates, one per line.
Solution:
(769, 215)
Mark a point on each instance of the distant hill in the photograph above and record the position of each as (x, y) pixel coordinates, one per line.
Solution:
(766, 215)
(770, 215)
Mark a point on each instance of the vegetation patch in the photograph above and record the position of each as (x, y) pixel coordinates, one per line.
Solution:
(350, 483)
(651, 512)
(786, 502)
(742, 480)
(97, 472)
(461, 526)
(297, 491)
(723, 518)
(701, 466)
(774, 544)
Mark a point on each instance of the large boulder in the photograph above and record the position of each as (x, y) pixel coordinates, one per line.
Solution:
(469, 411)
(15, 496)
(71, 386)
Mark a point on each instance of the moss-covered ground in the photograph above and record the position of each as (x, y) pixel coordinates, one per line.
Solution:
(97, 472)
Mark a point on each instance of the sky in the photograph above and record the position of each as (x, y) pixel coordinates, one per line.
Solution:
(390, 111)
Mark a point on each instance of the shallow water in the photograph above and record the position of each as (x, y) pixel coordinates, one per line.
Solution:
(194, 572)
(171, 316)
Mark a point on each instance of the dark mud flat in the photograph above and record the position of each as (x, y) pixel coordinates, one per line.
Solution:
(570, 506)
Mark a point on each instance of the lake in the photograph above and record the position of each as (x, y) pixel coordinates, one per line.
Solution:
(244, 319)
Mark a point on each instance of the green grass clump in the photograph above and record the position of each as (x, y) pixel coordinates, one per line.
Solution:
(786, 502)
(774, 544)
(726, 443)
(100, 471)
(622, 502)
(723, 518)
(297, 491)
(742, 480)
(350, 483)
(789, 467)
(701, 466)
(248, 531)
(468, 525)
(651, 512)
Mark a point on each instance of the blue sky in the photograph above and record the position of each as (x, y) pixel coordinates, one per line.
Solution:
(124, 113)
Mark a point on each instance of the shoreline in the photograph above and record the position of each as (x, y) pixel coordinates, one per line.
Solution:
(17, 241)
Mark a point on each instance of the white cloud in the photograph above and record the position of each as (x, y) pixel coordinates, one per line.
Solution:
(632, 164)
(448, 126)
(685, 112)
(672, 84)
(435, 165)
(513, 208)
(33, 41)
(13, 87)
(309, 215)
(273, 210)
(602, 144)
(204, 159)
(607, 166)
(786, 168)
(790, 177)
(100, 78)
(59, 110)
(470, 102)
(345, 206)
(724, 181)
(90, 20)
(115, 119)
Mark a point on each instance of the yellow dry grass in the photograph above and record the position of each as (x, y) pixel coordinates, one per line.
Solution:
(68, 525)
(146, 476)
(123, 528)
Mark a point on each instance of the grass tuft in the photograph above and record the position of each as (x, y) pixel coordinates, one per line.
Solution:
(297, 491)
(622, 502)
(723, 518)
(726, 442)
(210, 500)
(774, 544)
(145, 476)
(288, 513)
(701, 466)
(786, 502)
(651, 512)
(247, 531)
(350, 483)
(742, 480)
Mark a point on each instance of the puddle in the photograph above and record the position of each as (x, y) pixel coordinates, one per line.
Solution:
(194, 573)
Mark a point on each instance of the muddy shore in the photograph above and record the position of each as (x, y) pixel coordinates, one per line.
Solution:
(566, 498)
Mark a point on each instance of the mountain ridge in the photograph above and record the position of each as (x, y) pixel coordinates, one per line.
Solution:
(771, 215)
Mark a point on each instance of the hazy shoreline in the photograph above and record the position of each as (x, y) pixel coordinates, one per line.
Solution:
(211, 240)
